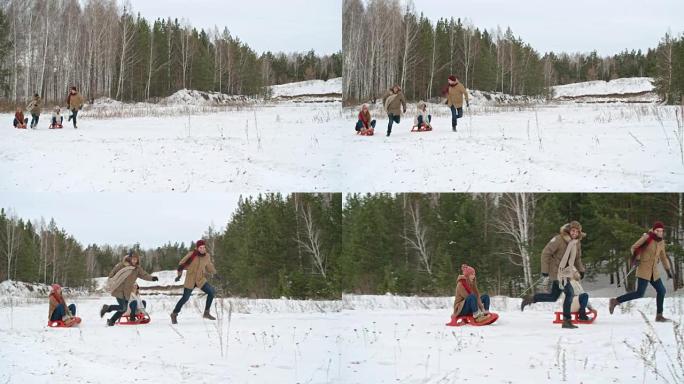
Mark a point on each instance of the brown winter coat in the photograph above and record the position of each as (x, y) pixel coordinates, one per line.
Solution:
(53, 305)
(649, 258)
(553, 252)
(461, 294)
(456, 94)
(124, 290)
(74, 101)
(394, 102)
(195, 275)
(34, 106)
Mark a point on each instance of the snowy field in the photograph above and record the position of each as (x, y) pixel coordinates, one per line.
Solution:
(253, 147)
(554, 147)
(360, 339)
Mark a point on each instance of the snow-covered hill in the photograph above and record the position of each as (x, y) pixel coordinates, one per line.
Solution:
(633, 90)
(309, 91)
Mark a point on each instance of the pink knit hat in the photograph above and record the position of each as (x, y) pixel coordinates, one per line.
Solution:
(55, 287)
(467, 270)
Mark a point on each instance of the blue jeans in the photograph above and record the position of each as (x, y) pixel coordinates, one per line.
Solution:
(74, 113)
(583, 302)
(555, 294)
(641, 289)
(456, 113)
(134, 306)
(59, 312)
(120, 308)
(359, 125)
(206, 288)
(16, 122)
(34, 119)
(54, 120)
(392, 119)
(470, 304)
(421, 122)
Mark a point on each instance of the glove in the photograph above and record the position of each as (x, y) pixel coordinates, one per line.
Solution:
(581, 275)
(155, 278)
(177, 279)
(545, 274)
(669, 274)
(468, 104)
(636, 264)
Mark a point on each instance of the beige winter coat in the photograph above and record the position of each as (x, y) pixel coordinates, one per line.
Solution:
(456, 95)
(394, 103)
(461, 294)
(195, 272)
(553, 252)
(650, 257)
(124, 290)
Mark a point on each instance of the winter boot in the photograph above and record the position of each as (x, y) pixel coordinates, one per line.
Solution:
(527, 300)
(612, 304)
(583, 316)
(568, 324)
(480, 317)
(662, 319)
(174, 318)
(110, 322)
(132, 319)
(105, 309)
(208, 316)
(453, 128)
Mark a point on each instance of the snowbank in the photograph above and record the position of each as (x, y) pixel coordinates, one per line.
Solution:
(194, 97)
(633, 89)
(21, 292)
(311, 91)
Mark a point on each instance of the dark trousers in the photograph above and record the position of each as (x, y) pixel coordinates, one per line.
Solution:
(392, 119)
(359, 125)
(54, 120)
(206, 288)
(641, 289)
(555, 294)
(34, 119)
(16, 122)
(120, 308)
(134, 306)
(470, 304)
(74, 113)
(60, 312)
(421, 122)
(456, 113)
(583, 302)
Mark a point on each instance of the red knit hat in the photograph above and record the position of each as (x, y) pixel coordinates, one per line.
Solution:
(452, 78)
(467, 270)
(200, 243)
(658, 224)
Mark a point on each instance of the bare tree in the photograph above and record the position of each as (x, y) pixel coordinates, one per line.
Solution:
(417, 238)
(312, 240)
(516, 220)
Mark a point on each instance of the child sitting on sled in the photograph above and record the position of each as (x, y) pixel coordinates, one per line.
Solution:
(365, 126)
(19, 120)
(580, 302)
(423, 119)
(140, 305)
(59, 310)
(57, 119)
(468, 300)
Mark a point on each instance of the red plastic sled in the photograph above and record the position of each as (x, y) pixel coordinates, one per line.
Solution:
(422, 128)
(142, 319)
(575, 317)
(468, 320)
(367, 132)
(64, 324)
(56, 126)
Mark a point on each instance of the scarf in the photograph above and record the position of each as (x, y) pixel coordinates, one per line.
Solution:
(651, 238)
(19, 116)
(189, 261)
(365, 118)
(115, 281)
(566, 268)
(465, 284)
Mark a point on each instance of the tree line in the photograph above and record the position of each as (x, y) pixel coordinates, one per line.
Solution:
(384, 44)
(48, 45)
(272, 246)
(416, 243)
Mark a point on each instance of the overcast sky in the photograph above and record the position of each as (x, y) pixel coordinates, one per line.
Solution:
(151, 219)
(608, 26)
(275, 25)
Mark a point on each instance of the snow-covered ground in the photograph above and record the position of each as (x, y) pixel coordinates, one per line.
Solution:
(361, 339)
(555, 147)
(252, 147)
(633, 89)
